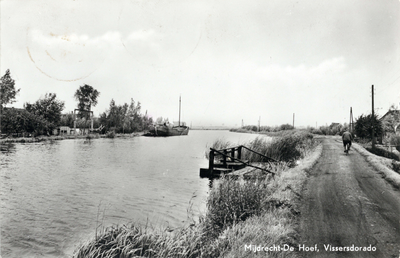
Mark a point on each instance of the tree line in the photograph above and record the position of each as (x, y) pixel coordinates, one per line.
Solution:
(362, 127)
(45, 114)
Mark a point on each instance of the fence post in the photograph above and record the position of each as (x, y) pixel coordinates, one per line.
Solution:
(239, 152)
(233, 153)
(224, 158)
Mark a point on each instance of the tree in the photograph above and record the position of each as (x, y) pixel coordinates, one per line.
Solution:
(7, 89)
(87, 96)
(67, 120)
(124, 118)
(364, 124)
(20, 121)
(134, 117)
(48, 107)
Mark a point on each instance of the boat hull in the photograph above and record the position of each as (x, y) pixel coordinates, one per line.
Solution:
(165, 131)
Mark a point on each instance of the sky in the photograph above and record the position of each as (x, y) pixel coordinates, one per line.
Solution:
(230, 61)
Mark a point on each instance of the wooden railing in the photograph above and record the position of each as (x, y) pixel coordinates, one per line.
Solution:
(233, 154)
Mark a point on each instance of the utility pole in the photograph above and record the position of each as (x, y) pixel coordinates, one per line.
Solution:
(372, 120)
(293, 120)
(351, 124)
(179, 121)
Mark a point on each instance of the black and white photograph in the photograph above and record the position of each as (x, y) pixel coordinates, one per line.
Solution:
(199, 128)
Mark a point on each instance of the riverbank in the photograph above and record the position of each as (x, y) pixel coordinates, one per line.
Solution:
(240, 216)
(43, 138)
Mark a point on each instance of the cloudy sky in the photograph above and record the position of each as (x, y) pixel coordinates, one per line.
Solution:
(229, 60)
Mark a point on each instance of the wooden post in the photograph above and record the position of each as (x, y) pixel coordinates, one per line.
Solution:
(211, 163)
(224, 158)
(233, 153)
(239, 156)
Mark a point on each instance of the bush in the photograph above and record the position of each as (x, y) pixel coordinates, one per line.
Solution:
(142, 241)
(218, 145)
(232, 201)
(286, 127)
(383, 153)
(363, 126)
(289, 147)
(19, 121)
(395, 140)
(315, 131)
(110, 134)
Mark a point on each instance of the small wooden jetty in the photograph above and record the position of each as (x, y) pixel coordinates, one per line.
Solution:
(229, 161)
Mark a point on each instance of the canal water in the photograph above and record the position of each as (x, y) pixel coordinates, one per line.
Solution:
(53, 195)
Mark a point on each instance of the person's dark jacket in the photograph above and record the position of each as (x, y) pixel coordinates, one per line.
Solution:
(347, 136)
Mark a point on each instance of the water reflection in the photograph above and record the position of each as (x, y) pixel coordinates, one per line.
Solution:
(6, 148)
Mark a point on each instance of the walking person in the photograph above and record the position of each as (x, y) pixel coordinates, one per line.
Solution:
(347, 138)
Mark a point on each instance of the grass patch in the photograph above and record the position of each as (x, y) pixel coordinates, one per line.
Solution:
(142, 241)
(219, 144)
(288, 147)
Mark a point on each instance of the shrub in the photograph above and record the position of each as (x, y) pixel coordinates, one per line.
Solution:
(289, 147)
(316, 131)
(142, 241)
(395, 140)
(218, 145)
(363, 126)
(383, 153)
(232, 201)
(110, 134)
(286, 127)
(396, 166)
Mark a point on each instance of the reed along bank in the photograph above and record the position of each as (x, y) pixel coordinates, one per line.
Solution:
(243, 218)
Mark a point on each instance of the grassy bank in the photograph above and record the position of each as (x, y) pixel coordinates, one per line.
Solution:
(65, 137)
(240, 214)
(387, 167)
(44, 138)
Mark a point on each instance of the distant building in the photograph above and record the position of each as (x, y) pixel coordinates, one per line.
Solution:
(391, 122)
(335, 125)
(63, 130)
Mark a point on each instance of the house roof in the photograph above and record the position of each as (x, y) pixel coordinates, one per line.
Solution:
(390, 112)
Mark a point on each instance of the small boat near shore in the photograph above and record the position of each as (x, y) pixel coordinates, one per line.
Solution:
(168, 129)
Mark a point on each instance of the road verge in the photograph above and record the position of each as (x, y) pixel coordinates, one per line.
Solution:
(384, 166)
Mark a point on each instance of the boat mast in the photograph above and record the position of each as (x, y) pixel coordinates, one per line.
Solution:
(179, 122)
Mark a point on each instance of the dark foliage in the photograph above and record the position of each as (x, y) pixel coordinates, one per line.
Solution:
(383, 153)
(125, 118)
(87, 96)
(364, 125)
(20, 121)
(48, 107)
(7, 89)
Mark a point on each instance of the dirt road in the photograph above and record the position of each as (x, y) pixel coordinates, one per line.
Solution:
(348, 204)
